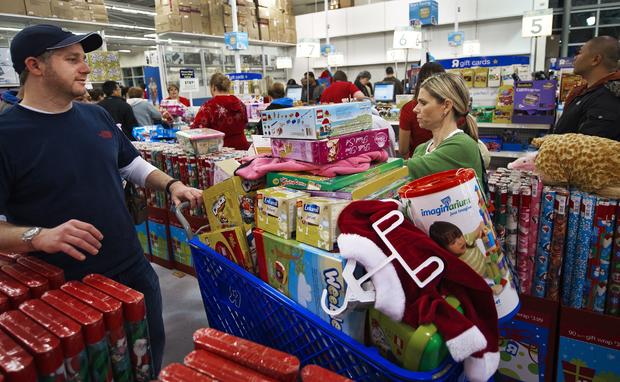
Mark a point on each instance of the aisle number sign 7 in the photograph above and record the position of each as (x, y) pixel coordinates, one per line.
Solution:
(537, 23)
(407, 38)
(308, 47)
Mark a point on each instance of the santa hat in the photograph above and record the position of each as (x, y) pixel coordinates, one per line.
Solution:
(472, 336)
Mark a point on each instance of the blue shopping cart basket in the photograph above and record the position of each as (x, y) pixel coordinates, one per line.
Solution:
(241, 304)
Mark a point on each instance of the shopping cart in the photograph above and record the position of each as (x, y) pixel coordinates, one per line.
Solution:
(241, 304)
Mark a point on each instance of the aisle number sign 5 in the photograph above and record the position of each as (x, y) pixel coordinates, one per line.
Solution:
(537, 23)
(407, 38)
(308, 47)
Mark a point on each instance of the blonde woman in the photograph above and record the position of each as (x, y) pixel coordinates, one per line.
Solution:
(442, 100)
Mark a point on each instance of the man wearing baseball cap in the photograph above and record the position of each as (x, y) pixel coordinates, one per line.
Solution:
(61, 196)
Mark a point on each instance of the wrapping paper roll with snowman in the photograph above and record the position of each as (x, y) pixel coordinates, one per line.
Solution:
(450, 207)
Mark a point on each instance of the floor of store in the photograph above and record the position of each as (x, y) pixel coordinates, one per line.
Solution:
(183, 312)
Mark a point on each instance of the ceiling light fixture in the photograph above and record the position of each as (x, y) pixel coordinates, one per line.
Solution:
(134, 27)
(129, 10)
(124, 51)
(10, 29)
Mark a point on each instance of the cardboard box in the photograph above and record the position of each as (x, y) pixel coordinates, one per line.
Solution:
(317, 221)
(231, 203)
(41, 8)
(267, 3)
(290, 35)
(276, 210)
(143, 236)
(317, 122)
(264, 13)
(168, 23)
(300, 181)
(331, 149)
(185, 12)
(179, 243)
(232, 244)
(62, 9)
(159, 236)
(364, 189)
(196, 17)
(201, 141)
(302, 272)
(263, 28)
(16, 7)
(534, 102)
(225, 169)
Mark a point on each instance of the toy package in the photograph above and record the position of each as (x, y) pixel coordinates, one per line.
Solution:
(468, 76)
(302, 272)
(504, 105)
(481, 76)
(134, 311)
(54, 275)
(143, 236)
(507, 72)
(331, 149)
(231, 203)
(201, 141)
(317, 122)
(495, 77)
(369, 187)
(534, 102)
(68, 331)
(232, 244)
(34, 281)
(317, 221)
(159, 236)
(300, 181)
(15, 363)
(276, 210)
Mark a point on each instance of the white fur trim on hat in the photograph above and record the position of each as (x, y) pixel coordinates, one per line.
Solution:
(481, 369)
(389, 294)
(466, 343)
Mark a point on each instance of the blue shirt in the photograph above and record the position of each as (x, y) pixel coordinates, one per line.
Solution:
(58, 167)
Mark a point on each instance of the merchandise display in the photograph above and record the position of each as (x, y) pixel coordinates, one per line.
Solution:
(276, 210)
(317, 221)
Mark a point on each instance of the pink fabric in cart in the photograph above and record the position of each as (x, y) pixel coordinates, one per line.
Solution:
(259, 166)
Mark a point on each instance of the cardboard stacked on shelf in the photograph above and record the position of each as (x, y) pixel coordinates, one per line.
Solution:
(276, 20)
(93, 10)
(15, 7)
(187, 16)
(40, 8)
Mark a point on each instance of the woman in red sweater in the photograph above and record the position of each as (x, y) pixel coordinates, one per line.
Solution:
(224, 112)
(410, 133)
(173, 93)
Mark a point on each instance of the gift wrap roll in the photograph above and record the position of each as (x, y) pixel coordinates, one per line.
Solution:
(574, 205)
(605, 259)
(535, 217)
(584, 236)
(512, 223)
(543, 250)
(612, 305)
(525, 260)
(560, 218)
(455, 197)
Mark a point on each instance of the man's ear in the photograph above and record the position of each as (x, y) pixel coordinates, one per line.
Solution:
(34, 66)
(597, 59)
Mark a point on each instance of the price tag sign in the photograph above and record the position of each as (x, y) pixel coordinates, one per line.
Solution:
(236, 40)
(335, 59)
(537, 23)
(395, 55)
(284, 63)
(471, 47)
(308, 47)
(456, 38)
(187, 81)
(407, 38)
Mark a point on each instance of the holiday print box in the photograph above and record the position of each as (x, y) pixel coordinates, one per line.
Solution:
(201, 141)
(159, 236)
(331, 149)
(589, 348)
(528, 342)
(143, 235)
(302, 272)
(317, 122)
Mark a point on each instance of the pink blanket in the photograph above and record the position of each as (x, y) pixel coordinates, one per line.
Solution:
(259, 166)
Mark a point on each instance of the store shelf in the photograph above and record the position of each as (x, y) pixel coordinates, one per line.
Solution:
(208, 37)
(507, 154)
(525, 126)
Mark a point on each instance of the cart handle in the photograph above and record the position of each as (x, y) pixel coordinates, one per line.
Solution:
(178, 212)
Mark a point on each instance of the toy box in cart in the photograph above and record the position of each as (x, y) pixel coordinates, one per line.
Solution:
(317, 122)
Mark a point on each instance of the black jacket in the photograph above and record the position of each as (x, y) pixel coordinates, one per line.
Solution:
(398, 86)
(122, 113)
(594, 110)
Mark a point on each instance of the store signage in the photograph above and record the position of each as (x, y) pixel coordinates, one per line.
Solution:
(424, 13)
(394, 55)
(484, 61)
(244, 76)
(284, 63)
(335, 59)
(308, 47)
(407, 38)
(561, 63)
(471, 47)
(537, 23)
(151, 57)
(236, 40)
(456, 38)
(327, 49)
(187, 81)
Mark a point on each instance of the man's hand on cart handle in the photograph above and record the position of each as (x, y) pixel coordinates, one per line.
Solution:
(68, 238)
(182, 193)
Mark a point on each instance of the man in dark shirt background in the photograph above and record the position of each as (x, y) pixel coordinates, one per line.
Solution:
(594, 108)
(118, 107)
(389, 76)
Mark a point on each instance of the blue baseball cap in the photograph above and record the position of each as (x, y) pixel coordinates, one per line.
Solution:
(35, 40)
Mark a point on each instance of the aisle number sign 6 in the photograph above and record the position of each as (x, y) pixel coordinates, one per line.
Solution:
(537, 23)
(308, 47)
(407, 38)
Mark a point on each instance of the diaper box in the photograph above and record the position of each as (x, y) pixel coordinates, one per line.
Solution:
(201, 141)
(330, 149)
(276, 210)
(301, 181)
(232, 244)
(317, 122)
(317, 221)
(302, 272)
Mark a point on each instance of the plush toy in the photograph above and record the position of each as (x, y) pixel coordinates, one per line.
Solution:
(587, 162)
(471, 337)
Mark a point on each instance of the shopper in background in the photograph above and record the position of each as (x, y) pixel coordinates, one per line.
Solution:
(363, 83)
(124, 90)
(146, 114)
(279, 101)
(10, 98)
(410, 135)
(314, 88)
(594, 109)
(224, 112)
(118, 108)
(442, 100)
(96, 95)
(61, 163)
(389, 77)
(291, 82)
(173, 94)
(341, 89)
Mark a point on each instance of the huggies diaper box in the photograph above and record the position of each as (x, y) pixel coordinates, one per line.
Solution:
(317, 122)
(276, 210)
(302, 272)
(317, 221)
(331, 149)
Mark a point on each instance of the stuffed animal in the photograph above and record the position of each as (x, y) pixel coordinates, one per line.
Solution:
(587, 162)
